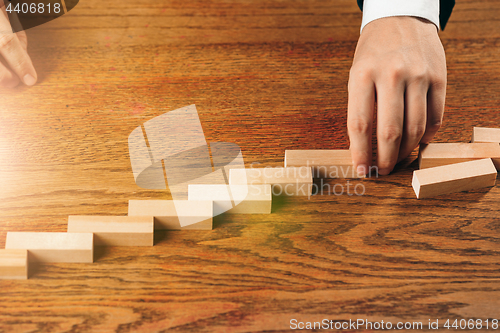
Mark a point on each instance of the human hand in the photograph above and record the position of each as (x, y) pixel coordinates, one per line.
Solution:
(15, 65)
(400, 64)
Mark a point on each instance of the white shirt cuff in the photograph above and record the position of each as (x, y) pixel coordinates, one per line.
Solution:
(376, 9)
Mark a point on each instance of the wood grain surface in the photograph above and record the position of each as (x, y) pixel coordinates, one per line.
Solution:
(268, 76)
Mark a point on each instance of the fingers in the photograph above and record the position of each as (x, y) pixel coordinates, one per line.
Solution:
(415, 117)
(360, 119)
(15, 56)
(23, 39)
(406, 117)
(435, 110)
(390, 120)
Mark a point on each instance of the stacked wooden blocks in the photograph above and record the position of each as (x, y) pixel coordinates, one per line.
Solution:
(445, 168)
(84, 232)
(74, 246)
(454, 167)
(53, 246)
(115, 230)
(168, 214)
(145, 216)
(290, 181)
(234, 199)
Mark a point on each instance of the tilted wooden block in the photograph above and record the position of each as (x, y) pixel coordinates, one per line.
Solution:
(484, 134)
(325, 163)
(13, 264)
(283, 181)
(437, 154)
(115, 230)
(54, 246)
(454, 178)
(234, 199)
(167, 214)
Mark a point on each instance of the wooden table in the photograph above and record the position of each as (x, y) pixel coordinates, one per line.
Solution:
(268, 76)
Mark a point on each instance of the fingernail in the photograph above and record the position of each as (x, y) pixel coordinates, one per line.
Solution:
(361, 170)
(29, 80)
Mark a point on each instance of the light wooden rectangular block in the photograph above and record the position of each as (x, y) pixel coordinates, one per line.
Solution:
(13, 264)
(166, 213)
(454, 178)
(437, 154)
(283, 181)
(115, 230)
(54, 246)
(484, 134)
(234, 199)
(325, 163)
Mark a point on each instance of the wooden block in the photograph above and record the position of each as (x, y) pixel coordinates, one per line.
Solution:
(454, 178)
(234, 199)
(325, 163)
(483, 134)
(283, 181)
(437, 154)
(13, 264)
(115, 230)
(54, 246)
(167, 214)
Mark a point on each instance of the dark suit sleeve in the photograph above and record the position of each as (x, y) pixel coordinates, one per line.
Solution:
(360, 4)
(445, 8)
